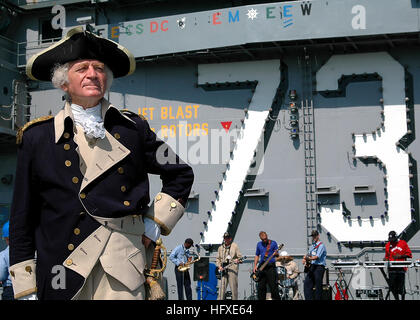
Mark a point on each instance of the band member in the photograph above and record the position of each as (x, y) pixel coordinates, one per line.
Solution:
(291, 272)
(180, 256)
(268, 276)
(227, 262)
(397, 250)
(315, 261)
(81, 196)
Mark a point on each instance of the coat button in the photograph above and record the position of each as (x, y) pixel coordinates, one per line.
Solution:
(67, 163)
(70, 247)
(66, 146)
(82, 195)
(66, 135)
(123, 188)
(120, 170)
(28, 269)
(158, 197)
(117, 135)
(76, 231)
(126, 203)
(12, 274)
(173, 205)
(69, 262)
(75, 180)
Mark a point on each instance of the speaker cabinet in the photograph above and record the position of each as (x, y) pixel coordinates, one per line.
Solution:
(326, 293)
(201, 270)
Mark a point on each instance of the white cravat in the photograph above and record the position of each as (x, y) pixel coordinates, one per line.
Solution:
(90, 120)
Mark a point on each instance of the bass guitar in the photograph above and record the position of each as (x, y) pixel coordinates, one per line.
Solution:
(221, 273)
(256, 276)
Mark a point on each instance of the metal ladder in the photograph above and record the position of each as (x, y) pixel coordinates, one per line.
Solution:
(309, 145)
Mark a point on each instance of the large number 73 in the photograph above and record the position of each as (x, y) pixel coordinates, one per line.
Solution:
(383, 146)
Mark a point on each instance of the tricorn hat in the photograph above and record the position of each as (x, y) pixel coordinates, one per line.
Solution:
(80, 44)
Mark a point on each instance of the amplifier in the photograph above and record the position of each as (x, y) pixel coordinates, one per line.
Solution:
(326, 292)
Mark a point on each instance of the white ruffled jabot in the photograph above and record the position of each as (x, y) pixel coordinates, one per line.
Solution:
(90, 120)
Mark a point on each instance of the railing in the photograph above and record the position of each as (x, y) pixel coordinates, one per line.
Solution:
(31, 2)
(17, 53)
(25, 50)
(8, 50)
(34, 4)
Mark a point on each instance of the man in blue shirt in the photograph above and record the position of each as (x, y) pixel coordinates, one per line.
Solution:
(315, 260)
(4, 267)
(180, 256)
(266, 250)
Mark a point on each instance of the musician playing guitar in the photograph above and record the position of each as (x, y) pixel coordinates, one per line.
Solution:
(315, 271)
(266, 249)
(228, 258)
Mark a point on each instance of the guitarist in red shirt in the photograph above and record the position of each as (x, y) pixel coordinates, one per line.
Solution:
(397, 250)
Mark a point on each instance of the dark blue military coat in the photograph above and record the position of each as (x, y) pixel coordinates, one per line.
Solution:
(49, 209)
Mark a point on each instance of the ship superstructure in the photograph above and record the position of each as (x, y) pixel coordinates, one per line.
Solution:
(295, 115)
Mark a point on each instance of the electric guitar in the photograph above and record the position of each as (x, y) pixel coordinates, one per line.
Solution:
(341, 294)
(308, 261)
(221, 273)
(256, 276)
(307, 264)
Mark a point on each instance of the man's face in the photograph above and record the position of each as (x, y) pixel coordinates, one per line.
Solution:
(228, 240)
(264, 237)
(315, 238)
(187, 245)
(87, 82)
(392, 238)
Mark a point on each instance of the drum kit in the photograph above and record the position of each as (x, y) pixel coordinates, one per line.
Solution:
(285, 285)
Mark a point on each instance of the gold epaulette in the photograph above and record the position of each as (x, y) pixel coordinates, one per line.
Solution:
(133, 113)
(19, 134)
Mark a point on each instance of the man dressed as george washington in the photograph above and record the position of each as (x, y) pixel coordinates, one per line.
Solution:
(81, 197)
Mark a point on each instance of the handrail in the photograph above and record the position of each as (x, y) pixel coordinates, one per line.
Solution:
(36, 45)
(21, 48)
(9, 51)
(7, 39)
